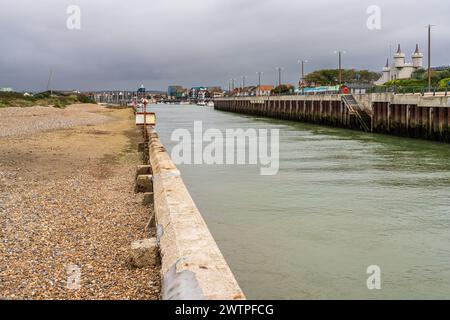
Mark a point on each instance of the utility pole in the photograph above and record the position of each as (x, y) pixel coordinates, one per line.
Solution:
(429, 56)
(340, 52)
(259, 82)
(49, 83)
(302, 73)
(232, 85)
(243, 84)
(280, 69)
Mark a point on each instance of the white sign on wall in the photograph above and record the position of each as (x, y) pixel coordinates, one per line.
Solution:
(150, 119)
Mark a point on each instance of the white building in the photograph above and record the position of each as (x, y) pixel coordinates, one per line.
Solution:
(400, 69)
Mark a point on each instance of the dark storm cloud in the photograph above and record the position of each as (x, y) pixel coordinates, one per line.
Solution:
(159, 42)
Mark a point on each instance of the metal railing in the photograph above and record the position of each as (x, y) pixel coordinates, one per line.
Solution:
(381, 89)
(350, 102)
(410, 90)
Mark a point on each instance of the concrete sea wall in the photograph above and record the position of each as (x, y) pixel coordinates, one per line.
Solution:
(412, 116)
(192, 266)
(409, 115)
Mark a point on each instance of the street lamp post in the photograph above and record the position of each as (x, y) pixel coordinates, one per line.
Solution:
(340, 52)
(429, 56)
(243, 84)
(232, 86)
(301, 64)
(259, 82)
(280, 69)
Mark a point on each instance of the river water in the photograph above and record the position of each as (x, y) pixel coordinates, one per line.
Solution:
(341, 202)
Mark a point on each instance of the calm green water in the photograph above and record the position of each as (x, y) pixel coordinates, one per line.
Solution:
(342, 201)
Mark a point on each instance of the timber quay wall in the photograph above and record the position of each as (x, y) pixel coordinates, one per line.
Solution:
(409, 115)
(326, 110)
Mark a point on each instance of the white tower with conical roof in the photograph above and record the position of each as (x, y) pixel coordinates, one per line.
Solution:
(386, 73)
(400, 69)
(417, 58)
(399, 58)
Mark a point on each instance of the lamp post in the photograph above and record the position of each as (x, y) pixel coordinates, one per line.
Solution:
(429, 56)
(279, 69)
(259, 82)
(243, 84)
(49, 83)
(232, 87)
(340, 52)
(301, 64)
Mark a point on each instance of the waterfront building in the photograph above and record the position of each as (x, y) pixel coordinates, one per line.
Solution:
(215, 92)
(198, 93)
(202, 92)
(6, 90)
(141, 89)
(400, 69)
(173, 90)
(177, 92)
(263, 90)
(244, 92)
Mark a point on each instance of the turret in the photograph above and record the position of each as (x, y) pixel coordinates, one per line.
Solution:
(399, 58)
(386, 73)
(417, 58)
(386, 67)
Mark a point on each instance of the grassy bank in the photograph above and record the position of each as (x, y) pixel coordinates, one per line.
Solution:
(14, 99)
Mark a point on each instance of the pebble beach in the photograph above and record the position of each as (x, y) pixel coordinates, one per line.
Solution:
(68, 211)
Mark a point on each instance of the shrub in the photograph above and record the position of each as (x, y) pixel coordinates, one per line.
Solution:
(85, 99)
(444, 83)
(406, 83)
(16, 99)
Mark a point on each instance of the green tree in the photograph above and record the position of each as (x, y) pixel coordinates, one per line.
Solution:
(419, 78)
(420, 74)
(444, 83)
(329, 77)
(283, 89)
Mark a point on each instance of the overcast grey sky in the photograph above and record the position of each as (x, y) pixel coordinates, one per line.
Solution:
(122, 44)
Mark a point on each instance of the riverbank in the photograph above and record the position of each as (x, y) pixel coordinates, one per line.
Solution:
(408, 115)
(67, 205)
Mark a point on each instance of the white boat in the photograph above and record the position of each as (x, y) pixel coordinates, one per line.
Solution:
(201, 103)
(210, 104)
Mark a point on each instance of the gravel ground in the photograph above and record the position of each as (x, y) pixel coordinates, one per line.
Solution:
(23, 121)
(68, 212)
